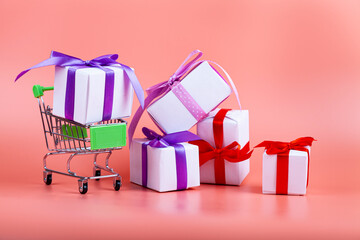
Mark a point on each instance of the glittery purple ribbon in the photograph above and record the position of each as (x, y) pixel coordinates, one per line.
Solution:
(174, 140)
(63, 60)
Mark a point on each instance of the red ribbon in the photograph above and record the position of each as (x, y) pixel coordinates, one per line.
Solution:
(282, 149)
(232, 153)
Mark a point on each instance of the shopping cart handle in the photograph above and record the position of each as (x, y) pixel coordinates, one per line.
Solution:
(39, 90)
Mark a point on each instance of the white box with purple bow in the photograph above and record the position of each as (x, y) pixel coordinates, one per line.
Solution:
(91, 91)
(190, 100)
(87, 94)
(165, 163)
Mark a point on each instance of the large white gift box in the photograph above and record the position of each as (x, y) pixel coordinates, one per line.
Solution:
(235, 128)
(90, 93)
(161, 166)
(297, 172)
(202, 90)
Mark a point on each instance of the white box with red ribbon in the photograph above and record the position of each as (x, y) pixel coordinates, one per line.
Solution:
(297, 174)
(232, 164)
(286, 166)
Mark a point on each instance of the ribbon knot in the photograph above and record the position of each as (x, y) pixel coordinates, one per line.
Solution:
(218, 152)
(172, 80)
(290, 146)
(95, 63)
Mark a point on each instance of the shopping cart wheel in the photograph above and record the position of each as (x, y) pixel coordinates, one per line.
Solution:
(47, 177)
(97, 173)
(117, 185)
(83, 186)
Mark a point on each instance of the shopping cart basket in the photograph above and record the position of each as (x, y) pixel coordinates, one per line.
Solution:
(63, 136)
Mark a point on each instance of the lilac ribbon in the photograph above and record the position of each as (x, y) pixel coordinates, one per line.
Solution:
(189, 102)
(63, 60)
(174, 140)
(160, 89)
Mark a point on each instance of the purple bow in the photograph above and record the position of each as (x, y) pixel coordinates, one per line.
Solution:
(63, 60)
(159, 141)
(166, 86)
(162, 88)
(173, 139)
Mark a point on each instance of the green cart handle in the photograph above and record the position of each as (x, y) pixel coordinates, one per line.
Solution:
(39, 90)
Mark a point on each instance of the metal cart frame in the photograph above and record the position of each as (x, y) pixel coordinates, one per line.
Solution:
(72, 139)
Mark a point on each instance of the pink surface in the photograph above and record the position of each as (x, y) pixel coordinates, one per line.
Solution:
(297, 68)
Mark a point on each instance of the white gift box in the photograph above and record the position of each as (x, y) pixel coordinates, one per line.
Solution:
(204, 85)
(89, 94)
(161, 166)
(236, 128)
(297, 173)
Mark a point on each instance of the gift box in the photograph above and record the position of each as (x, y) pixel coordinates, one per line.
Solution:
(165, 163)
(89, 96)
(190, 99)
(194, 90)
(91, 91)
(286, 166)
(225, 151)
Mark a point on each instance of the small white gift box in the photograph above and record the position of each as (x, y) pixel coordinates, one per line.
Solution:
(286, 166)
(297, 175)
(201, 91)
(161, 169)
(89, 94)
(235, 128)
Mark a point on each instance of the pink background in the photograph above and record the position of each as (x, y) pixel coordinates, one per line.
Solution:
(297, 68)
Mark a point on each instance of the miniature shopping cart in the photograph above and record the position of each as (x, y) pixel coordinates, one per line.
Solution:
(64, 136)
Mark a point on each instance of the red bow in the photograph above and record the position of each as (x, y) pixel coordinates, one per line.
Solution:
(275, 147)
(232, 152)
(282, 149)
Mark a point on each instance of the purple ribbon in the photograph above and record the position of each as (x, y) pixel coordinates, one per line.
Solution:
(174, 140)
(63, 60)
(189, 102)
(160, 89)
